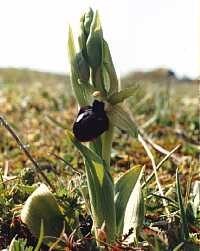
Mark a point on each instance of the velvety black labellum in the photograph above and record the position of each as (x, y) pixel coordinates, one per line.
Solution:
(91, 122)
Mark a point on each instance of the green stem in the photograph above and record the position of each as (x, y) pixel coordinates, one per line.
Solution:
(107, 139)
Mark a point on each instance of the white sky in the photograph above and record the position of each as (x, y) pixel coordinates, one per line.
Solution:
(142, 34)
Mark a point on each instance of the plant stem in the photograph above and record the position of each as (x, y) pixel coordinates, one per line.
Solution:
(107, 139)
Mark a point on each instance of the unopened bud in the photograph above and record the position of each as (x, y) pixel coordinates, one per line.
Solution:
(82, 36)
(88, 20)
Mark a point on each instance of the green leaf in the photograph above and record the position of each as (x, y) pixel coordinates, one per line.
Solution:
(109, 66)
(42, 206)
(19, 245)
(121, 119)
(134, 214)
(81, 91)
(101, 189)
(179, 246)
(71, 45)
(123, 190)
(185, 231)
(96, 146)
(118, 97)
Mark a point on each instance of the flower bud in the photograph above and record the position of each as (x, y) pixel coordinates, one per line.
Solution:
(88, 20)
(82, 36)
(94, 43)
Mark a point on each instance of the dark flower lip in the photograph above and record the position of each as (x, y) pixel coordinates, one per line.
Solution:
(91, 122)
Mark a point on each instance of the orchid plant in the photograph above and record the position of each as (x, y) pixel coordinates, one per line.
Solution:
(116, 206)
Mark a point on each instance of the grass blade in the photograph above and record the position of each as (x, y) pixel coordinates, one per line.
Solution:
(185, 231)
(41, 236)
(155, 171)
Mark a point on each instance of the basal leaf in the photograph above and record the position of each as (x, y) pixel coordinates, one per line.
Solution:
(101, 189)
(123, 189)
(134, 213)
(42, 206)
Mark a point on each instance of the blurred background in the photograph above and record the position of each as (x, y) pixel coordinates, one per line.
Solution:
(156, 43)
(142, 34)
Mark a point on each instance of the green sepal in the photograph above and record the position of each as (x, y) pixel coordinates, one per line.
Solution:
(121, 119)
(118, 97)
